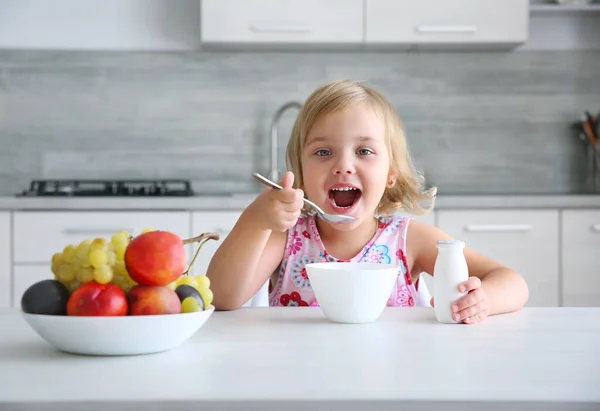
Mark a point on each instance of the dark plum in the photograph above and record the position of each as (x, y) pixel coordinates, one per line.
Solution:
(49, 297)
(183, 291)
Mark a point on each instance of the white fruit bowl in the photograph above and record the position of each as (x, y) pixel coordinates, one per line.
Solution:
(352, 293)
(124, 335)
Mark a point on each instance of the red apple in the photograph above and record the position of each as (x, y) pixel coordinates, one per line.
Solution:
(153, 300)
(94, 299)
(155, 258)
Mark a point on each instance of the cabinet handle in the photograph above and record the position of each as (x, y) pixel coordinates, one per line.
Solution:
(94, 231)
(499, 227)
(446, 29)
(595, 228)
(281, 29)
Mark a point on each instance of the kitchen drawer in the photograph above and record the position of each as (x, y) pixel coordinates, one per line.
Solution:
(525, 240)
(38, 235)
(220, 222)
(581, 258)
(275, 21)
(5, 258)
(446, 21)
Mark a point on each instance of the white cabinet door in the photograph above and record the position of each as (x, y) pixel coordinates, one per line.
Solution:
(40, 234)
(581, 258)
(276, 21)
(446, 21)
(105, 25)
(5, 259)
(525, 240)
(220, 222)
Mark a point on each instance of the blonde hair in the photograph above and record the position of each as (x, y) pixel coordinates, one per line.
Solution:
(408, 191)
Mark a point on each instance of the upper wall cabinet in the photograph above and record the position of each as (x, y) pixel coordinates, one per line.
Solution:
(102, 25)
(277, 21)
(446, 22)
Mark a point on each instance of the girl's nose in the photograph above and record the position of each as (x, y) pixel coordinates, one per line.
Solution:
(344, 165)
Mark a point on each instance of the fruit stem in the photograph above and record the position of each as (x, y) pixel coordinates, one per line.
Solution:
(202, 238)
(197, 239)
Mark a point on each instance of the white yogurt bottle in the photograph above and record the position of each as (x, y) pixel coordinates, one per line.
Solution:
(450, 270)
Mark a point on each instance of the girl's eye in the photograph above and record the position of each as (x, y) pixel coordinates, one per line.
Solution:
(323, 152)
(364, 152)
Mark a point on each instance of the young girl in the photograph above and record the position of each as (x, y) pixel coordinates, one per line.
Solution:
(348, 154)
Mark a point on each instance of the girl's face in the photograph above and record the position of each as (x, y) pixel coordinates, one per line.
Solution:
(345, 163)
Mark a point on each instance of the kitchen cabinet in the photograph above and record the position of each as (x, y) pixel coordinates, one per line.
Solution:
(525, 240)
(106, 25)
(220, 222)
(275, 21)
(5, 258)
(503, 22)
(38, 235)
(581, 258)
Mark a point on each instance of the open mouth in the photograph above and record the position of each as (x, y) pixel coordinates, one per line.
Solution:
(344, 197)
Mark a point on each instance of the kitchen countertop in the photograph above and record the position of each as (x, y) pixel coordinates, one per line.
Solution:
(240, 201)
(294, 359)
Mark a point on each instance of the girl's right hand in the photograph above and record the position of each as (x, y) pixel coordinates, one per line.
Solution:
(278, 210)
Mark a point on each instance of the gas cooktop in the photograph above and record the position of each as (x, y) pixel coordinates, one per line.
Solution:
(108, 188)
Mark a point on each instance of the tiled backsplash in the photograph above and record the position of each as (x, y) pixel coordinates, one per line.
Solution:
(476, 122)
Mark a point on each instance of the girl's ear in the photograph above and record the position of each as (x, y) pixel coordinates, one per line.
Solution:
(391, 179)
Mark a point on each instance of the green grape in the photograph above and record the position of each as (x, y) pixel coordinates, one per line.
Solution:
(85, 275)
(207, 296)
(98, 258)
(98, 244)
(202, 281)
(66, 273)
(120, 238)
(187, 280)
(190, 305)
(120, 268)
(57, 259)
(81, 252)
(69, 252)
(103, 274)
(120, 252)
(112, 258)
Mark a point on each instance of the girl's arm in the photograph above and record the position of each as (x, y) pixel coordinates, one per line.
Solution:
(246, 258)
(250, 254)
(493, 287)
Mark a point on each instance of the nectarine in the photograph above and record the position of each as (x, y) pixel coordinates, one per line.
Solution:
(94, 299)
(155, 258)
(153, 300)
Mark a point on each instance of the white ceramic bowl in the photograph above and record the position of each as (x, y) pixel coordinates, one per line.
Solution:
(126, 335)
(352, 293)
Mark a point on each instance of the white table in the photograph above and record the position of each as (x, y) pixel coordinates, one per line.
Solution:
(294, 359)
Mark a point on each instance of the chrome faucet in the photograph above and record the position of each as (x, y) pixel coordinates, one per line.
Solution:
(275, 137)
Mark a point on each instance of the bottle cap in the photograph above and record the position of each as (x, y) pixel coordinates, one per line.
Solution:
(455, 243)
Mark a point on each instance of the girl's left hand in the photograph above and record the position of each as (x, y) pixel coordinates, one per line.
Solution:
(474, 307)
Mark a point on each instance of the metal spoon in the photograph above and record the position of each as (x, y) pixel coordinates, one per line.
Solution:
(332, 218)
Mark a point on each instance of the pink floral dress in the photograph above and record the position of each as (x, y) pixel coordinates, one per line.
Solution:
(304, 246)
